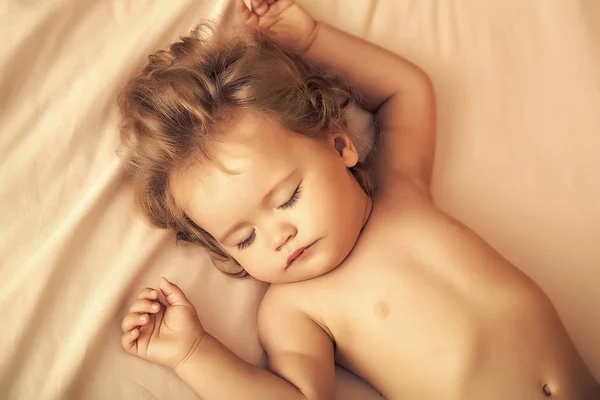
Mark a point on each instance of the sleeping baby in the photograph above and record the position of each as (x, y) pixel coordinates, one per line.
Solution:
(248, 146)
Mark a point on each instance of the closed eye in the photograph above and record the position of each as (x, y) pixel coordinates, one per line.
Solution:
(247, 242)
(287, 204)
(292, 199)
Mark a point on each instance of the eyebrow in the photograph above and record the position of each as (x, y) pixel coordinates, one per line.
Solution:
(266, 199)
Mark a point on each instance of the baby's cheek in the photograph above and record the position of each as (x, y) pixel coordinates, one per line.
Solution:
(259, 264)
(314, 212)
(323, 193)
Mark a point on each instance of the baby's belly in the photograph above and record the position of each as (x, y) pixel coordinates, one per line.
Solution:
(432, 328)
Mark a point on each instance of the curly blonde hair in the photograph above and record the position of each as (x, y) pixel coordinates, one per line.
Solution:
(182, 98)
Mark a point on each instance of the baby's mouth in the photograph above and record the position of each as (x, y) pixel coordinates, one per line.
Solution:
(297, 254)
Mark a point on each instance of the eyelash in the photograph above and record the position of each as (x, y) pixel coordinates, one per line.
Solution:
(247, 242)
(288, 204)
(292, 199)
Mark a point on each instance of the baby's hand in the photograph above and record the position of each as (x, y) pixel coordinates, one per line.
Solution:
(165, 335)
(282, 20)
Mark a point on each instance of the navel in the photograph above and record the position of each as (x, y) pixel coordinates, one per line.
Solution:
(381, 309)
(546, 390)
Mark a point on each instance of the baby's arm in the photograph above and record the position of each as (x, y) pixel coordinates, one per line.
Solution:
(300, 356)
(170, 334)
(399, 91)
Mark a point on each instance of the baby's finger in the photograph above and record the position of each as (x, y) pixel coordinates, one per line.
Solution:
(243, 5)
(133, 320)
(247, 14)
(259, 7)
(128, 340)
(277, 7)
(144, 306)
(148, 293)
(173, 294)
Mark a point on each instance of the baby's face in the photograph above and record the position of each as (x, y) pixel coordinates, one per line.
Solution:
(268, 193)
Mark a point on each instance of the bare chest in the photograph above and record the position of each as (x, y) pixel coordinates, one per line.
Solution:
(422, 302)
(395, 310)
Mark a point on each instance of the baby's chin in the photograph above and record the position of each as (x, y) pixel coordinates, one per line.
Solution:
(319, 266)
(337, 256)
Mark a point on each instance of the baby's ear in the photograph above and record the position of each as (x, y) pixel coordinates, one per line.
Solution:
(342, 142)
(226, 265)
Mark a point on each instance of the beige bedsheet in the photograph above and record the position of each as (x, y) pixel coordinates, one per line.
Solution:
(518, 86)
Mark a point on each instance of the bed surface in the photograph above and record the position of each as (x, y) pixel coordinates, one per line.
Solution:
(518, 86)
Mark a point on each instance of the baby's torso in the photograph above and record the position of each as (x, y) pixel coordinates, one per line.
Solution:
(425, 309)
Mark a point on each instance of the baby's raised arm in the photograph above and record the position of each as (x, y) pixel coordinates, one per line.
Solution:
(399, 91)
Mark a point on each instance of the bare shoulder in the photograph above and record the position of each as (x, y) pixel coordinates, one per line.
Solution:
(277, 300)
(282, 310)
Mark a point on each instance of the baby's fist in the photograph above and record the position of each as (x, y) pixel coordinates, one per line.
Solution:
(163, 334)
(281, 20)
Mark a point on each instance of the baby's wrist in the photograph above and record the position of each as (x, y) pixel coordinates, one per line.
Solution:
(312, 36)
(194, 353)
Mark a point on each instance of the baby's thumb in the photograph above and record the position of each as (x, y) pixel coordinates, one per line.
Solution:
(173, 294)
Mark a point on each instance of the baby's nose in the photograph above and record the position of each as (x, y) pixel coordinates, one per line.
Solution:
(284, 235)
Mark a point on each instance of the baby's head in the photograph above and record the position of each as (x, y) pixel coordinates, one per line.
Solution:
(243, 147)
